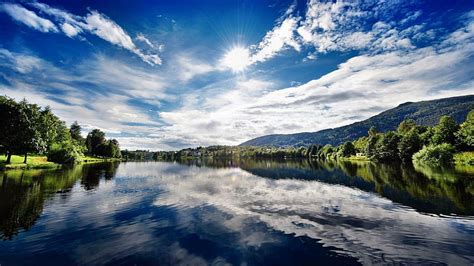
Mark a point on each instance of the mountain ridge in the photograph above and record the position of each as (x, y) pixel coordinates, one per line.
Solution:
(425, 113)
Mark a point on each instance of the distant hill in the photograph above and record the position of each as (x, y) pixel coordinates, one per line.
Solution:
(424, 113)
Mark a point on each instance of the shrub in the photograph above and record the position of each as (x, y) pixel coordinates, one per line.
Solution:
(435, 155)
(64, 153)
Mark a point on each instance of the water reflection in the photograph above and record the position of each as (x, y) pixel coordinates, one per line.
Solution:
(237, 212)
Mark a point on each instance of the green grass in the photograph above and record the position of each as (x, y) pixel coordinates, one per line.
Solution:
(41, 162)
(464, 158)
(33, 161)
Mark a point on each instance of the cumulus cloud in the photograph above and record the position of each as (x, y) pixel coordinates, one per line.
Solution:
(28, 18)
(73, 26)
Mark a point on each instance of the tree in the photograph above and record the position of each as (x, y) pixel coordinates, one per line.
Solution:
(386, 148)
(10, 125)
(30, 138)
(371, 145)
(409, 144)
(445, 131)
(405, 126)
(95, 141)
(465, 134)
(435, 155)
(347, 149)
(20, 128)
(75, 131)
(63, 152)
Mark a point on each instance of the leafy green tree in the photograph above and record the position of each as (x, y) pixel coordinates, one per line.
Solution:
(95, 142)
(409, 144)
(386, 148)
(444, 131)
(435, 155)
(325, 151)
(63, 152)
(371, 145)
(405, 126)
(10, 125)
(465, 134)
(30, 138)
(361, 144)
(112, 149)
(347, 149)
(75, 131)
(426, 133)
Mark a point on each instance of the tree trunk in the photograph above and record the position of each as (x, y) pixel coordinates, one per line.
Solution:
(9, 158)
(26, 157)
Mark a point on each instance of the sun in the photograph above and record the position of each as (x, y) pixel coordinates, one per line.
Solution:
(237, 59)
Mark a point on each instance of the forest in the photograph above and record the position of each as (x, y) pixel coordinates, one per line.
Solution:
(28, 129)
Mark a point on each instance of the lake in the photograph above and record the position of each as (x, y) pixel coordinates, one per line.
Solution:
(244, 212)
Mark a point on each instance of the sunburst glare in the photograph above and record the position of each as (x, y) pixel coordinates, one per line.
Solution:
(237, 59)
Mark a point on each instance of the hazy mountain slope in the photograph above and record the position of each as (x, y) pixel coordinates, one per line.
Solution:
(424, 113)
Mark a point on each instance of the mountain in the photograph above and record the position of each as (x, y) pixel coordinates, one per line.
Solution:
(425, 113)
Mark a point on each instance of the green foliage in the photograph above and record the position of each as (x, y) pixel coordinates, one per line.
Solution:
(371, 145)
(406, 126)
(27, 128)
(326, 151)
(444, 131)
(347, 150)
(386, 148)
(63, 153)
(95, 142)
(435, 155)
(361, 144)
(409, 144)
(465, 134)
(75, 131)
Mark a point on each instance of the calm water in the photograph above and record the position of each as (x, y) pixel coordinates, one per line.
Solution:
(240, 213)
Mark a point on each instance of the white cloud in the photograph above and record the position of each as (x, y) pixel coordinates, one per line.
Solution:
(113, 33)
(73, 26)
(20, 62)
(190, 67)
(277, 39)
(144, 39)
(28, 18)
(340, 26)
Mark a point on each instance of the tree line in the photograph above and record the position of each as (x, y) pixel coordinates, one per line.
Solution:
(27, 128)
(433, 146)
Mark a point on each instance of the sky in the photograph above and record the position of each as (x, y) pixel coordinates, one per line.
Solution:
(165, 75)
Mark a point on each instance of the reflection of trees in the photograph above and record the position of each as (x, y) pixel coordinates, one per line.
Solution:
(23, 193)
(425, 189)
(93, 173)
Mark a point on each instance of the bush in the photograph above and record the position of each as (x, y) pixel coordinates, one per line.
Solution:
(435, 155)
(63, 153)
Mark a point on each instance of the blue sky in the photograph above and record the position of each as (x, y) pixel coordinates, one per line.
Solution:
(164, 75)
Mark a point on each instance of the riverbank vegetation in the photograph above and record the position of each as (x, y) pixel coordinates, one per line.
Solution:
(441, 145)
(28, 130)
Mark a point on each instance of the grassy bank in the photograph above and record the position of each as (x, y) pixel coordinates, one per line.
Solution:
(41, 162)
(33, 162)
(464, 158)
